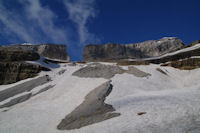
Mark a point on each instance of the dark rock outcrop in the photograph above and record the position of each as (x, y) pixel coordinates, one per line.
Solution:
(185, 64)
(12, 60)
(193, 43)
(24, 97)
(23, 87)
(52, 51)
(7, 54)
(97, 70)
(186, 60)
(17, 100)
(12, 72)
(113, 52)
(170, 58)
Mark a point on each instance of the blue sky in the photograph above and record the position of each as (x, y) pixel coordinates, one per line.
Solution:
(77, 23)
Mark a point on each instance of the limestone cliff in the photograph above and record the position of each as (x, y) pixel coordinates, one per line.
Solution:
(52, 51)
(12, 72)
(7, 54)
(13, 67)
(112, 52)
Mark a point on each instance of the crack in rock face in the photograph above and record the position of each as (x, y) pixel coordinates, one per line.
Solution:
(92, 110)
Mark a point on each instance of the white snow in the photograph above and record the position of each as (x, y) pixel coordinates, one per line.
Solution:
(171, 103)
(27, 44)
(195, 57)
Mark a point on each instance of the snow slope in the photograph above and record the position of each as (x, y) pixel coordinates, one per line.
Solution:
(171, 103)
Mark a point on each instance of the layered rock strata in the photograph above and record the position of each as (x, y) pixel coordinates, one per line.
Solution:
(52, 51)
(113, 52)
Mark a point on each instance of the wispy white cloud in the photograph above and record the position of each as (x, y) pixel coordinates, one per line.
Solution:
(25, 25)
(36, 23)
(80, 12)
(44, 17)
(13, 24)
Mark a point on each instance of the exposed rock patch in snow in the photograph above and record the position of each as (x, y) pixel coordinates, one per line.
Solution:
(92, 110)
(136, 72)
(61, 71)
(26, 86)
(97, 70)
(160, 70)
(17, 100)
(23, 97)
(44, 89)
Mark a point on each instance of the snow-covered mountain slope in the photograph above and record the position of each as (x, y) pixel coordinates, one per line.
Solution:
(165, 101)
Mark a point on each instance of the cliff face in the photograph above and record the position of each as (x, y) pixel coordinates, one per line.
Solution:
(110, 52)
(12, 72)
(7, 54)
(52, 51)
(12, 60)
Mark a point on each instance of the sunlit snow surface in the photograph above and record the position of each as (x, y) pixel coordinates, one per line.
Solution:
(171, 103)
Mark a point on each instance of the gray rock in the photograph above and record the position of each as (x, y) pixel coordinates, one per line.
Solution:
(136, 72)
(96, 70)
(92, 110)
(12, 60)
(61, 71)
(53, 51)
(17, 100)
(113, 52)
(23, 87)
(44, 89)
(161, 71)
(47, 50)
(24, 98)
(12, 72)
(10, 55)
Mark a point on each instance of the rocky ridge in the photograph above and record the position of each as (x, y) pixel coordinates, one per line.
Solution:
(113, 52)
(187, 58)
(51, 51)
(13, 60)
(166, 51)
